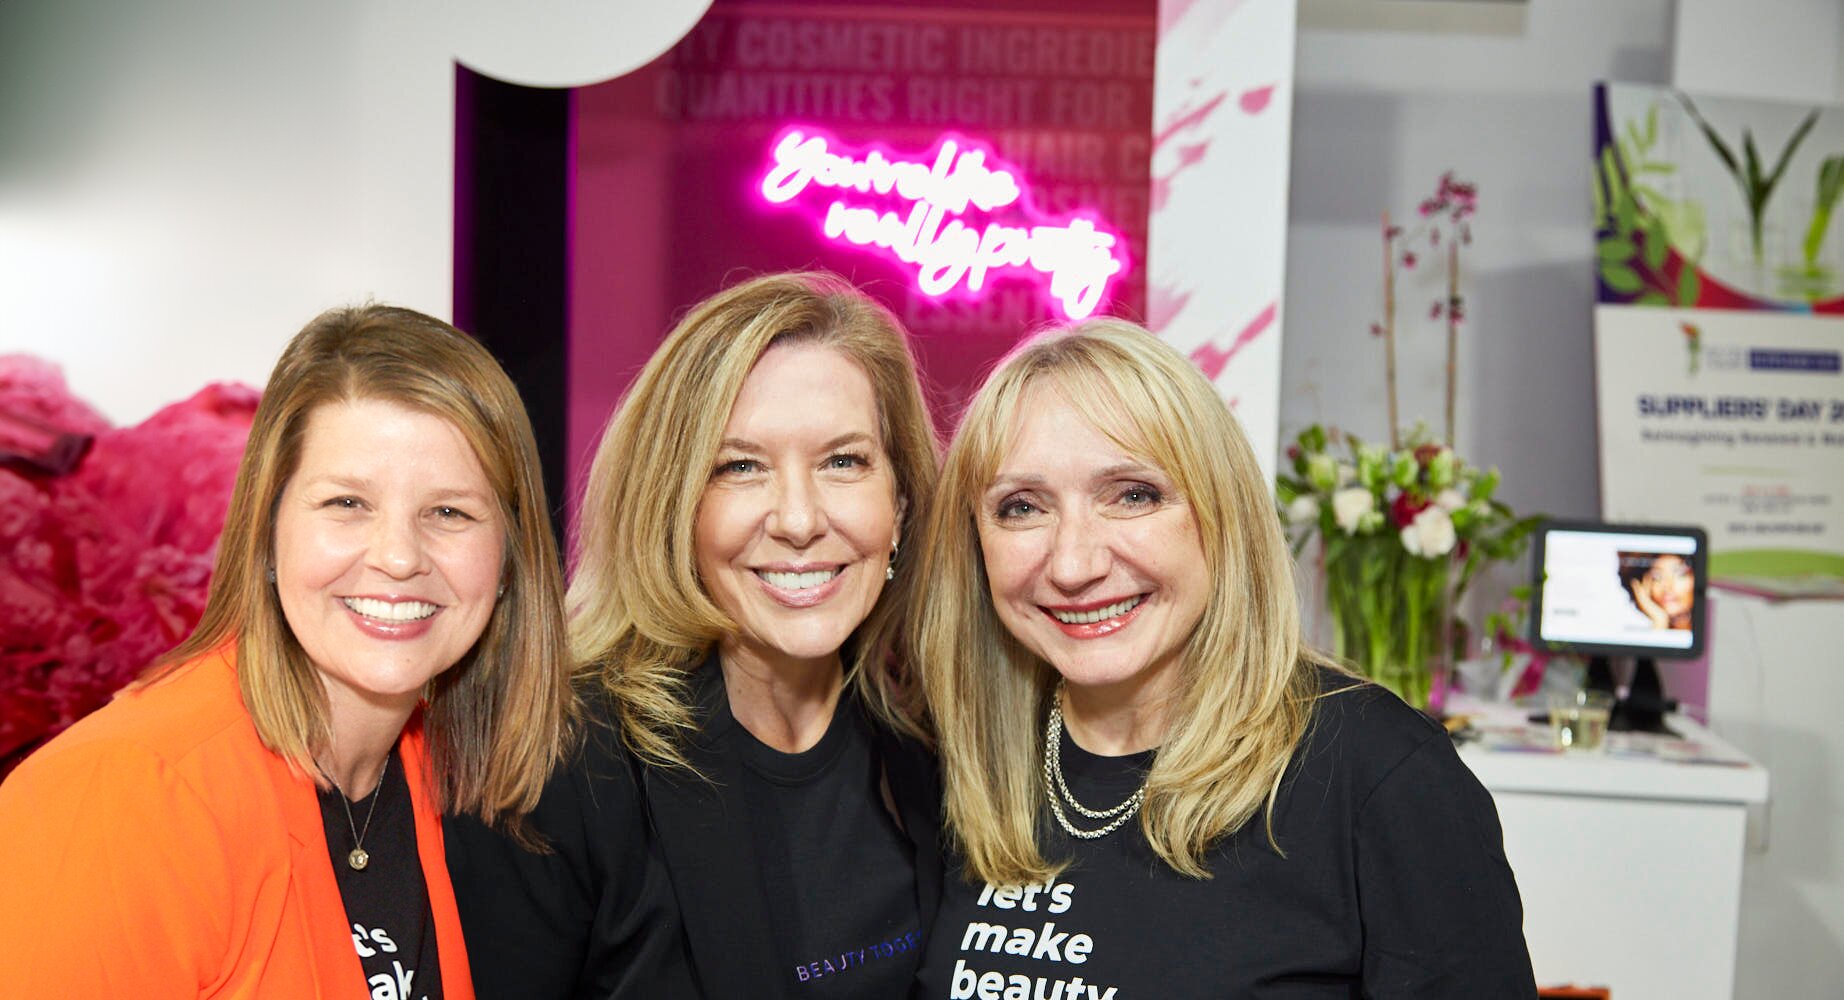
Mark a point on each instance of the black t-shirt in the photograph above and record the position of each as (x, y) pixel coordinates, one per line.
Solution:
(1394, 884)
(656, 878)
(838, 876)
(387, 903)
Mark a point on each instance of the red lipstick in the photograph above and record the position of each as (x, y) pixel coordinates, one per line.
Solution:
(1093, 630)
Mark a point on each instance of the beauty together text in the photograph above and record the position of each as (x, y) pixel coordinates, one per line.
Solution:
(850, 959)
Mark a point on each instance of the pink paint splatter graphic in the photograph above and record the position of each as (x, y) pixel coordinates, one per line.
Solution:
(1163, 302)
(1189, 118)
(1212, 359)
(1172, 14)
(1255, 100)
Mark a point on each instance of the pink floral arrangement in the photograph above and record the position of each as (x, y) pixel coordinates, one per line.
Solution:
(1449, 210)
(111, 549)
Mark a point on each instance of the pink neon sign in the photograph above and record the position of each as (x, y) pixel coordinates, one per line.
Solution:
(917, 210)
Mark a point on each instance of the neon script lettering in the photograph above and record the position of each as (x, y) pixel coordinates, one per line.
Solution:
(1076, 257)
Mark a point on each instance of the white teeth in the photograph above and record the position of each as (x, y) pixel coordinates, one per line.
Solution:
(387, 611)
(797, 581)
(1097, 615)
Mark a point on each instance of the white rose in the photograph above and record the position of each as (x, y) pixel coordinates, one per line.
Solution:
(1303, 510)
(1450, 500)
(1347, 473)
(1349, 506)
(1430, 534)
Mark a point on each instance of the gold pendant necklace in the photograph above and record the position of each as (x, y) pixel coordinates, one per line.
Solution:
(358, 858)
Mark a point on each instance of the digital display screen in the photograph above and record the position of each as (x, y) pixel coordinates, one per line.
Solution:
(1614, 589)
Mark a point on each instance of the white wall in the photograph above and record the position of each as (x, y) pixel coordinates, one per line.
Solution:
(1778, 50)
(183, 185)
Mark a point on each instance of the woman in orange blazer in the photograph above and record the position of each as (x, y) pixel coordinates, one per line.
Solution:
(260, 815)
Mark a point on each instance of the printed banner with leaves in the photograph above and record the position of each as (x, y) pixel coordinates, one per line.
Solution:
(1719, 332)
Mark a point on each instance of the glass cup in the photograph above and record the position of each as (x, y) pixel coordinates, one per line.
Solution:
(1578, 721)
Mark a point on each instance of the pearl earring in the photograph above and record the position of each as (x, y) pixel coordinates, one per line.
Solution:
(890, 567)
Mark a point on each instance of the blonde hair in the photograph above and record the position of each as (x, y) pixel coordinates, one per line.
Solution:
(639, 617)
(1245, 686)
(497, 721)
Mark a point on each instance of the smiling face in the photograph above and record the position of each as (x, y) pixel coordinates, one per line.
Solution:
(1672, 586)
(1092, 555)
(795, 526)
(388, 548)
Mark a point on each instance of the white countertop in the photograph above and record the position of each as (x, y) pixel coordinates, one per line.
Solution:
(1514, 756)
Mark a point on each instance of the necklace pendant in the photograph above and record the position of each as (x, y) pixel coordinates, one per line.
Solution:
(358, 859)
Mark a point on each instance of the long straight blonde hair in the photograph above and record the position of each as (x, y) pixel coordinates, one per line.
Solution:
(1245, 685)
(497, 722)
(639, 617)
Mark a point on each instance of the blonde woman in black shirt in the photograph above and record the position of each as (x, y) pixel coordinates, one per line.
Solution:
(742, 564)
(1153, 789)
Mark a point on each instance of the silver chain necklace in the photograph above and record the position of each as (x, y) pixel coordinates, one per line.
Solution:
(358, 858)
(1058, 789)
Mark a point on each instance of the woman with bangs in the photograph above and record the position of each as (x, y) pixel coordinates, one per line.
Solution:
(1153, 788)
(742, 568)
(260, 814)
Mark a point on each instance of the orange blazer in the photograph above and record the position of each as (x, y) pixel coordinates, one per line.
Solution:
(156, 849)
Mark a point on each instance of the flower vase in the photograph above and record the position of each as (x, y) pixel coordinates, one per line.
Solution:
(1391, 614)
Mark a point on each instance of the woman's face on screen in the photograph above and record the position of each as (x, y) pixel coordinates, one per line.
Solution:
(1671, 584)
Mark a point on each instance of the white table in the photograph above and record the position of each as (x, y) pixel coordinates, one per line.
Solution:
(1630, 867)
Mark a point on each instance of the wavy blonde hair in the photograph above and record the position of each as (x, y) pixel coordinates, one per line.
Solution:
(497, 721)
(639, 617)
(1245, 687)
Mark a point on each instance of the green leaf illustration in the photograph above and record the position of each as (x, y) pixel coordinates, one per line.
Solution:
(1830, 186)
(1690, 285)
(1615, 250)
(1626, 217)
(1757, 188)
(1621, 278)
